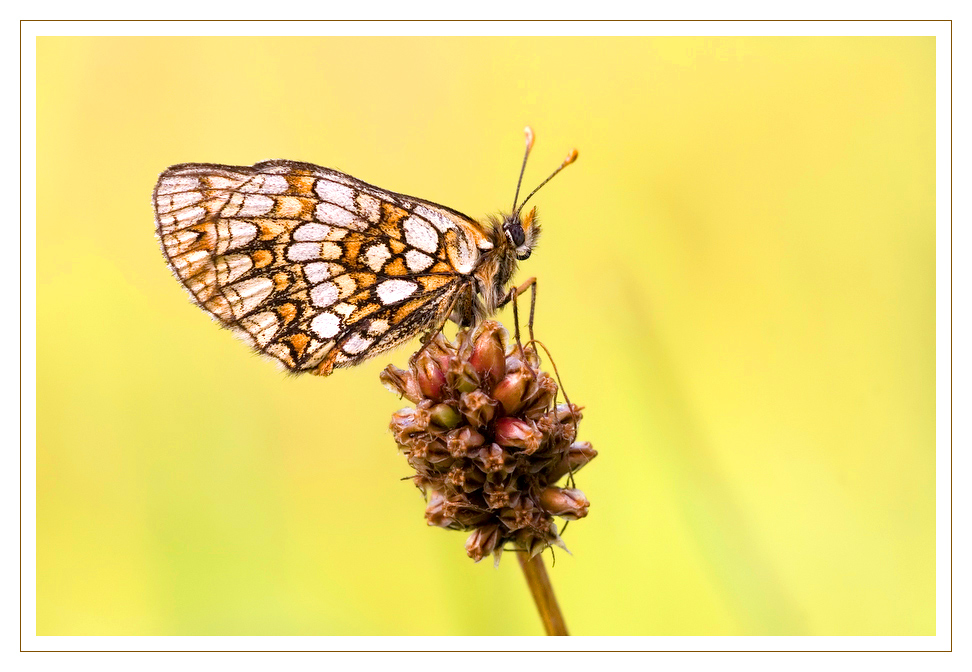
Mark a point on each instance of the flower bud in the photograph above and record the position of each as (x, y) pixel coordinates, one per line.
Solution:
(445, 415)
(462, 376)
(521, 514)
(470, 516)
(568, 413)
(401, 382)
(579, 454)
(509, 391)
(568, 503)
(491, 459)
(437, 455)
(541, 394)
(431, 378)
(489, 352)
(482, 542)
(516, 433)
(478, 408)
(497, 499)
(440, 511)
(406, 423)
(463, 441)
(535, 543)
(465, 480)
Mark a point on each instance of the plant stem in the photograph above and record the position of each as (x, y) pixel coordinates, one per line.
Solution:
(536, 576)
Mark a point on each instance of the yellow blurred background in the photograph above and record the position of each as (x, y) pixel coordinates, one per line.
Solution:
(736, 280)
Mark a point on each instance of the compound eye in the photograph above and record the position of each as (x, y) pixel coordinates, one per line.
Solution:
(515, 232)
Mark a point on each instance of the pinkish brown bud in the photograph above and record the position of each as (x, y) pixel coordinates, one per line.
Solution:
(406, 423)
(471, 516)
(491, 458)
(445, 415)
(509, 391)
(579, 454)
(535, 542)
(431, 378)
(478, 408)
(516, 433)
(541, 394)
(437, 455)
(568, 413)
(497, 499)
(489, 353)
(401, 382)
(465, 480)
(462, 376)
(568, 503)
(482, 542)
(440, 511)
(463, 441)
(521, 514)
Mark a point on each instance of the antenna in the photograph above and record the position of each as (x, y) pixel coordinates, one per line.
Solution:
(529, 145)
(571, 157)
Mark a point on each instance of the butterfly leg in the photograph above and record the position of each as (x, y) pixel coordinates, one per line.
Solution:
(515, 292)
(427, 337)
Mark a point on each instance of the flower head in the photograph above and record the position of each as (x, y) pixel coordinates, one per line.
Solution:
(487, 441)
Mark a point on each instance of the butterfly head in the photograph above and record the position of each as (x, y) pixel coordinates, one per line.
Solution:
(522, 233)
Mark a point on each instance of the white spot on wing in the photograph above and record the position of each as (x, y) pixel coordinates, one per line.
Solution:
(261, 326)
(255, 205)
(335, 193)
(265, 184)
(232, 234)
(326, 325)
(376, 255)
(304, 251)
(463, 255)
(324, 294)
(274, 184)
(329, 213)
(168, 203)
(186, 263)
(183, 218)
(232, 266)
(171, 185)
(247, 295)
(311, 231)
(417, 261)
(356, 344)
(392, 291)
(319, 271)
(419, 234)
(439, 220)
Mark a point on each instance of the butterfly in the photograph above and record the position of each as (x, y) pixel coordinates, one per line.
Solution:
(320, 270)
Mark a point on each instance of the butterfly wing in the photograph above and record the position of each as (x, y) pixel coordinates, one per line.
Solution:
(311, 266)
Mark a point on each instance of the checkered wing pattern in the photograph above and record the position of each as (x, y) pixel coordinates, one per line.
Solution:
(311, 266)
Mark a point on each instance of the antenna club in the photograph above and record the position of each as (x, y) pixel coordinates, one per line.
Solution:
(571, 157)
(530, 137)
